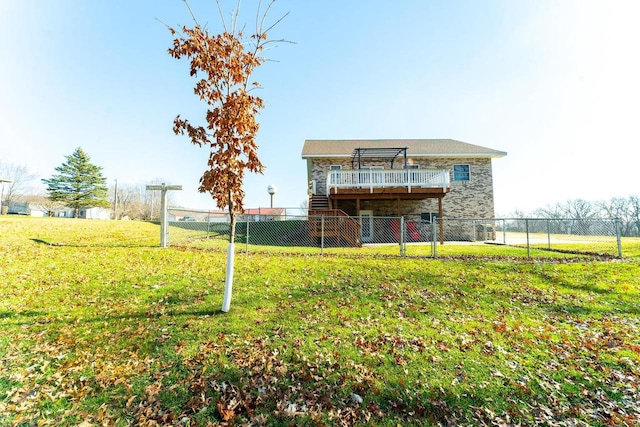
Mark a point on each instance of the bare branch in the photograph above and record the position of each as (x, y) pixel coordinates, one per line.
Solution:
(191, 12)
(264, 16)
(235, 17)
(224, 25)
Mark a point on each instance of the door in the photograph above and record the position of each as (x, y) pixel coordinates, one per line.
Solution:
(366, 226)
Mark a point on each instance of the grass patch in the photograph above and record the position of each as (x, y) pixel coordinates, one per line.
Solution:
(97, 324)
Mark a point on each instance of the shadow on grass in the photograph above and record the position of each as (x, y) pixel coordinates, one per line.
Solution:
(94, 245)
(102, 318)
(8, 314)
(42, 242)
(578, 310)
(588, 287)
(598, 300)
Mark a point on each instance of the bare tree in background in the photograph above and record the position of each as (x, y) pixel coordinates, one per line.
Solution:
(46, 205)
(618, 207)
(634, 213)
(136, 202)
(21, 179)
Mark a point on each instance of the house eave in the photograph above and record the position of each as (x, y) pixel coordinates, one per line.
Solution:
(414, 155)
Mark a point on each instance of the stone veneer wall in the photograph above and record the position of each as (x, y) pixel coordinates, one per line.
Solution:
(467, 199)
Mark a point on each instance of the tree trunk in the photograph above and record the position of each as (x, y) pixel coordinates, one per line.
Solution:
(228, 280)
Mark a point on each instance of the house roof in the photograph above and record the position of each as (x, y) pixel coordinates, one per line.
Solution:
(265, 211)
(322, 148)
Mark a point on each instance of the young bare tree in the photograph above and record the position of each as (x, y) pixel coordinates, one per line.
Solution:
(20, 179)
(46, 204)
(619, 208)
(224, 64)
(634, 213)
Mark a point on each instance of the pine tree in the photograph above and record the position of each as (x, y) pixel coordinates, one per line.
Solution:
(78, 184)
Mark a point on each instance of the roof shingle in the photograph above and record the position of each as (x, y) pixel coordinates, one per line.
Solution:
(415, 147)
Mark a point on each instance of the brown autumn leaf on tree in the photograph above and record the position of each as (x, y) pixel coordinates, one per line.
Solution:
(226, 66)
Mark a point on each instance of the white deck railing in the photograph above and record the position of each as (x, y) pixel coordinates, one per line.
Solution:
(406, 178)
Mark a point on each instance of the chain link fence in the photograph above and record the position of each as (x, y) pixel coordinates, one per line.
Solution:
(410, 236)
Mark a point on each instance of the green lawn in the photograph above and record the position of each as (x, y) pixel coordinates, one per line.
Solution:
(100, 326)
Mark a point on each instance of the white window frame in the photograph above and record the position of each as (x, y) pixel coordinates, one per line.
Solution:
(335, 167)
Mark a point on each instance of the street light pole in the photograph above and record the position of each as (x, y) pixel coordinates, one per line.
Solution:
(271, 189)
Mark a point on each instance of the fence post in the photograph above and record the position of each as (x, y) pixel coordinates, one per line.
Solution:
(618, 237)
(434, 240)
(247, 239)
(473, 231)
(549, 234)
(504, 232)
(322, 235)
(526, 226)
(401, 236)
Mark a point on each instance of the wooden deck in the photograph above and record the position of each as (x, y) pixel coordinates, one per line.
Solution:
(335, 226)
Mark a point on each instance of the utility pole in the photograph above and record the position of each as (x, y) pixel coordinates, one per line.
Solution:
(164, 218)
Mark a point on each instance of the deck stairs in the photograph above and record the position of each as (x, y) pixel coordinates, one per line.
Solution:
(336, 226)
(318, 203)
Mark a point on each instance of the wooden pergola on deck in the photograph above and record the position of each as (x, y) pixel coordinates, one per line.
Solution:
(374, 183)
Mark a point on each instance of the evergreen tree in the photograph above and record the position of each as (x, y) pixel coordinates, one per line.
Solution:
(78, 184)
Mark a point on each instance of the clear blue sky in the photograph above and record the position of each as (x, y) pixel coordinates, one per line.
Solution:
(556, 84)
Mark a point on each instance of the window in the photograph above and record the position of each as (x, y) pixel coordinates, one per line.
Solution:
(461, 173)
(412, 166)
(428, 217)
(335, 167)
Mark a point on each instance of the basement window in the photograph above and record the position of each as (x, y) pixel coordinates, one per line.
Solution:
(428, 217)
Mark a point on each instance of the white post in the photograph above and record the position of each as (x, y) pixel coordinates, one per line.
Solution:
(618, 237)
(164, 226)
(228, 281)
(164, 217)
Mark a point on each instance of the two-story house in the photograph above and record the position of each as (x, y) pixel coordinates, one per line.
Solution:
(419, 178)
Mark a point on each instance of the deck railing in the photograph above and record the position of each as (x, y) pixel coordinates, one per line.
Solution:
(406, 178)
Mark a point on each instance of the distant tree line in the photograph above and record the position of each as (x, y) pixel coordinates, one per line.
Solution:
(581, 216)
(133, 201)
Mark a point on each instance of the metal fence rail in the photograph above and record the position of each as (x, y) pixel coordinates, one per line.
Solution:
(405, 235)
